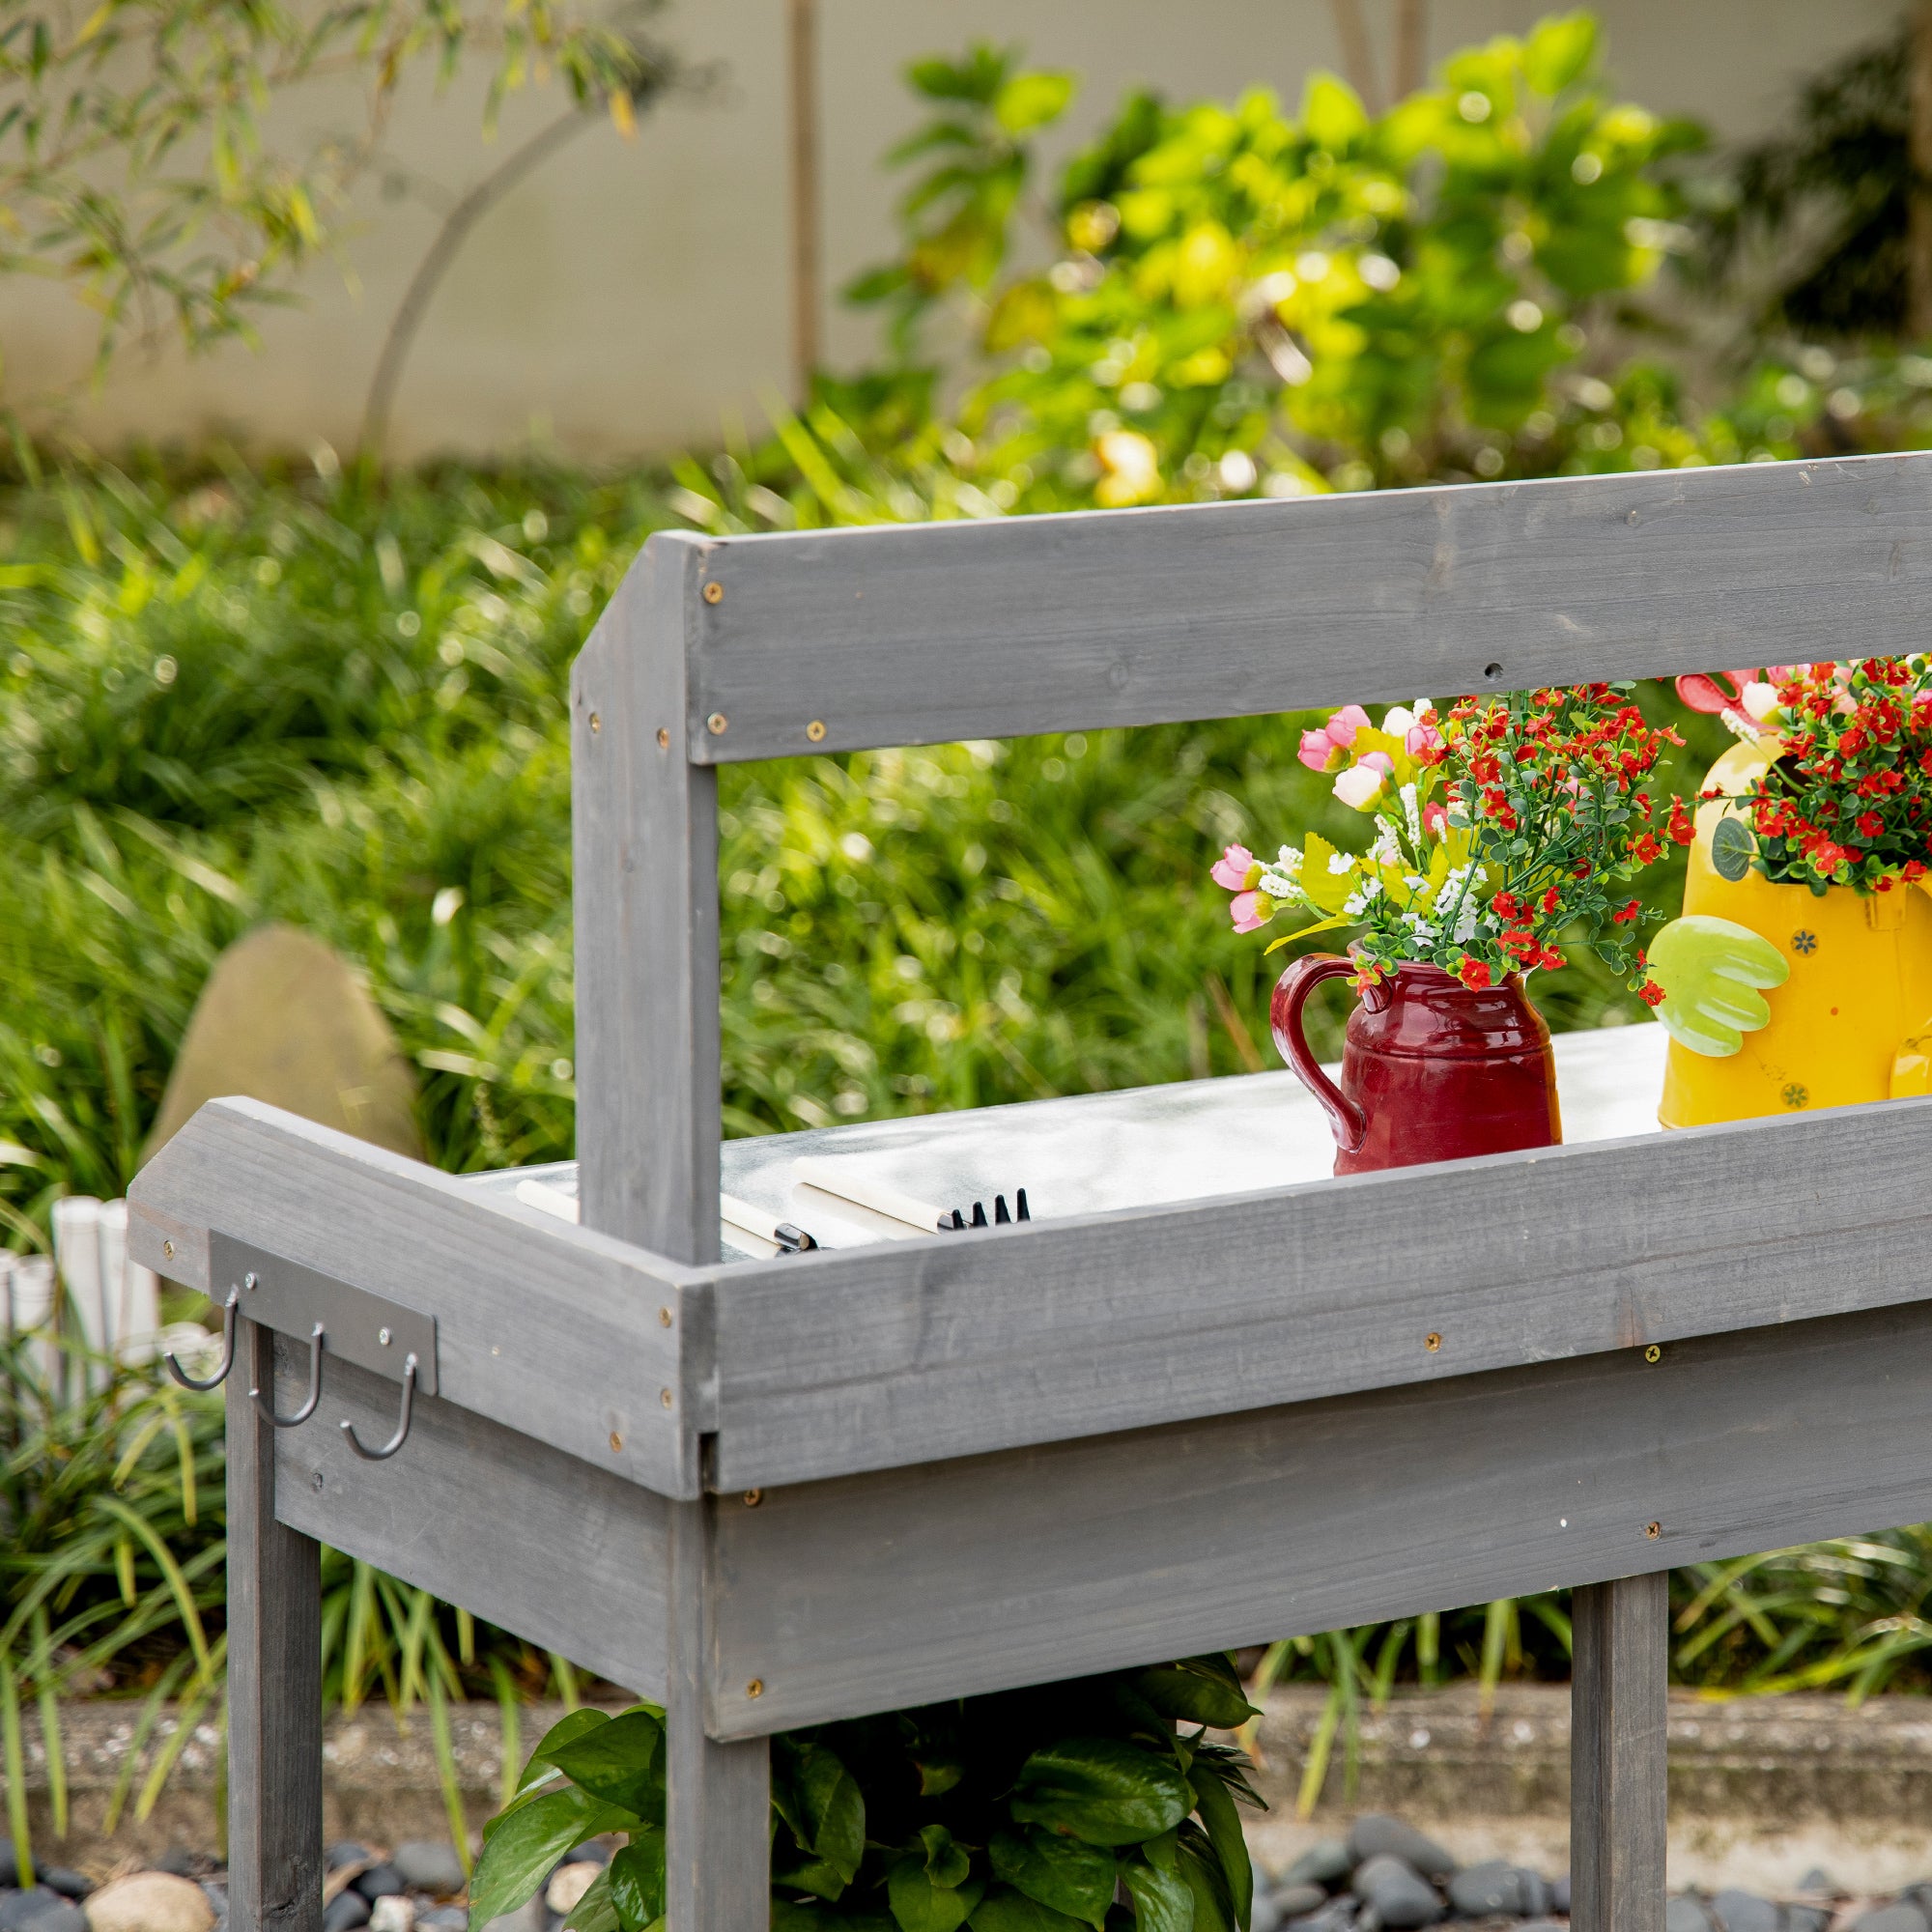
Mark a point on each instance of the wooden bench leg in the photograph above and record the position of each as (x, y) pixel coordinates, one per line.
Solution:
(1620, 1661)
(718, 1829)
(275, 1675)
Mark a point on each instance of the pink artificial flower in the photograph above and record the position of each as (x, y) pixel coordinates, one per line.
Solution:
(1423, 736)
(1381, 761)
(1318, 747)
(1346, 722)
(1435, 818)
(1247, 913)
(1236, 868)
(1316, 750)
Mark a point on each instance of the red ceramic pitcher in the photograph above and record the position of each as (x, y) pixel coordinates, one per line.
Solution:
(1431, 1070)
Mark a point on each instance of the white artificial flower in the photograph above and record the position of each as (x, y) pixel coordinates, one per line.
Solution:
(1759, 701)
(1359, 785)
(1340, 863)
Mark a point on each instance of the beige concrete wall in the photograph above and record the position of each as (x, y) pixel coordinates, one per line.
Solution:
(632, 294)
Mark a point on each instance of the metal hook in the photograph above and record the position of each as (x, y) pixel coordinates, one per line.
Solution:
(220, 1376)
(395, 1442)
(307, 1409)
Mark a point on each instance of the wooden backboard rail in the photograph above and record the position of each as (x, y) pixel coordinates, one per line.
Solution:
(889, 1476)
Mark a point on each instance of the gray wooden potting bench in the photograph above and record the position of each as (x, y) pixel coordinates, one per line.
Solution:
(774, 1493)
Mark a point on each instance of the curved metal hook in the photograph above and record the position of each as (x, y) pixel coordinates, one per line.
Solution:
(307, 1409)
(395, 1442)
(220, 1376)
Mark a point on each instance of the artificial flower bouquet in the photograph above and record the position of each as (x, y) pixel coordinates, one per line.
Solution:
(1499, 828)
(1848, 800)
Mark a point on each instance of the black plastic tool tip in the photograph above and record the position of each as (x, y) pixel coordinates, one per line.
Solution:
(1000, 1215)
(980, 1214)
(1020, 1205)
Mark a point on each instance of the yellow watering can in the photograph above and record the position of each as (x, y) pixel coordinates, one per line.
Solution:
(1845, 1010)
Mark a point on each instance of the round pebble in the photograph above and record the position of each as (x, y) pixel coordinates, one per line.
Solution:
(1746, 1912)
(1295, 1901)
(348, 1852)
(1685, 1914)
(21, 1908)
(1326, 1864)
(149, 1901)
(429, 1867)
(1496, 1886)
(393, 1911)
(382, 1881)
(1899, 1916)
(1396, 1892)
(1377, 1836)
(569, 1883)
(345, 1911)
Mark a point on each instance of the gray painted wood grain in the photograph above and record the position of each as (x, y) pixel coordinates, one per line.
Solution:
(963, 1343)
(554, 1331)
(875, 1592)
(645, 839)
(275, 1675)
(1618, 1797)
(569, 1557)
(912, 634)
(717, 1794)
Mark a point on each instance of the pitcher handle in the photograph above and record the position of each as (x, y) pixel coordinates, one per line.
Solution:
(1349, 1123)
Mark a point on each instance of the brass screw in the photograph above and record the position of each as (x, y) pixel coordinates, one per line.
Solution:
(815, 731)
(664, 1396)
(754, 1497)
(1432, 1343)
(716, 724)
(1653, 1353)
(755, 1688)
(663, 1318)
(664, 739)
(617, 1444)
(168, 1249)
(1653, 1530)
(596, 723)
(713, 592)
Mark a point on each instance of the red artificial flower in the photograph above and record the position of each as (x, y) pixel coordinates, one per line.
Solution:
(1682, 830)
(1626, 914)
(1473, 974)
(1651, 993)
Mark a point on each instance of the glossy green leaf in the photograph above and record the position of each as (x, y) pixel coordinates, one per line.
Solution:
(1103, 1791)
(1005, 1910)
(1163, 1900)
(520, 1855)
(919, 1903)
(1067, 1874)
(597, 1909)
(566, 1730)
(1215, 1804)
(1202, 1871)
(947, 1861)
(621, 1762)
(637, 1876)
(830, 1810)
(1198, 1690)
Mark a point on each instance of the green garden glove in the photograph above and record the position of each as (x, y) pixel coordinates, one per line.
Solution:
(1710, 970)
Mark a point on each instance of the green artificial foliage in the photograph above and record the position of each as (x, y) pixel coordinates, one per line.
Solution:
(1031, 1811)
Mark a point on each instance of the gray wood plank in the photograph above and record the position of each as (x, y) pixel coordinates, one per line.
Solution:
(717, 1794)
(570, 1557)
(555, 1331)
(875, 1592)
(912, 634)
(1618, 1728)
(644, 842)
(963, 1343)
(274, 1676)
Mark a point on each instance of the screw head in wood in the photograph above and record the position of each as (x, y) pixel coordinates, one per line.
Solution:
(664, 1396)
(617, 1444)
(315, 1481)
(664, 739)
(383, 1336)
(754, 1497)
(1432, 1343)
(1653, 1530)
(596, 723)
(1653, 1353)
(248, 1281)
(717, 723)
(168, 1249)
(663, 1318)
(713, 592)
(815, 731)
(755, 1688)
